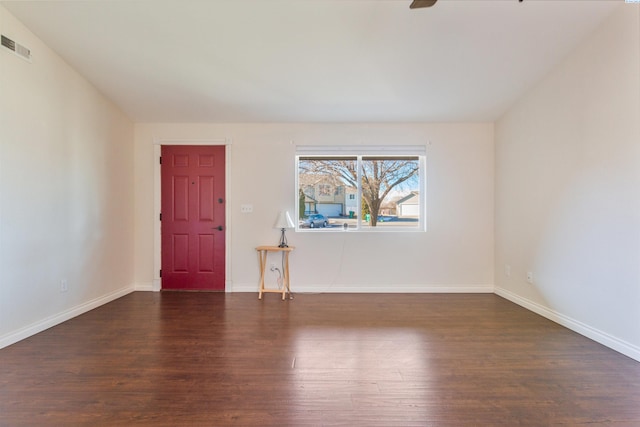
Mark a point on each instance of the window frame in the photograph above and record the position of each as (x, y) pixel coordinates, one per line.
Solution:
(360, 152)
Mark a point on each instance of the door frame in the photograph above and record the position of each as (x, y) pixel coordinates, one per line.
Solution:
(157, 234)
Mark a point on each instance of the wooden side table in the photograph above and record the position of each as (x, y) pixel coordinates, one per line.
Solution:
(263, 251)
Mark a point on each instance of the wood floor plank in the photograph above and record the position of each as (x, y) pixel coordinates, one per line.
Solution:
(207, 359)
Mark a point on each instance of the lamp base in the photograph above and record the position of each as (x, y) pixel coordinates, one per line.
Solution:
(283, 240)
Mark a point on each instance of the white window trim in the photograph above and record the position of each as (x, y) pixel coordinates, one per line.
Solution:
(360, 151)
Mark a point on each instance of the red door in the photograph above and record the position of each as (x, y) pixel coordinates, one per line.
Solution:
(193, 217)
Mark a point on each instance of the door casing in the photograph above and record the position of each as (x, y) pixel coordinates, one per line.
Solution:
(157, 236)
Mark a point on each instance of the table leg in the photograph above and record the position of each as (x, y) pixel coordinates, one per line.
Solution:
(263, 265)
(285, 275)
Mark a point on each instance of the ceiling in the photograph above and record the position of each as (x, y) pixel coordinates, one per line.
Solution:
(312, 60)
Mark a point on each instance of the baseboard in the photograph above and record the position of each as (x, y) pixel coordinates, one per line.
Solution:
(144, 287)
(603, 338)
(395, 289)
(26, 332)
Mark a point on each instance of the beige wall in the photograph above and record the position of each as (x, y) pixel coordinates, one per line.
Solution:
(66, 194)
(454, 255)
(568, 189)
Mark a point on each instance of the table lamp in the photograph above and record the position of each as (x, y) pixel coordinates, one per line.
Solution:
(283, 222)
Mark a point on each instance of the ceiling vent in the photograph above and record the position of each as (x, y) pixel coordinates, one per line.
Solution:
(16, 48)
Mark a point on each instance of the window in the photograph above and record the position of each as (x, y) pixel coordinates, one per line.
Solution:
(372, 189)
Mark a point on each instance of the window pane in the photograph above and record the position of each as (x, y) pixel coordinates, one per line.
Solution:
(327, 192)
(390, 191)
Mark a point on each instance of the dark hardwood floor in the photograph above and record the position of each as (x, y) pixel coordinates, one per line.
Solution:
(214, 359)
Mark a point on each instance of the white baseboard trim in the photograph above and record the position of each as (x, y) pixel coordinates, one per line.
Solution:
(395, 289)
(144, 287)
(27, 331)
(603, 338)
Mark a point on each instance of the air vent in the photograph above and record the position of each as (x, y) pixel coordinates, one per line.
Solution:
(16, 48)
(8, 43)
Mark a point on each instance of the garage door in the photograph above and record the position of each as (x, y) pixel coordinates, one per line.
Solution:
(410, 210)
(329, 209)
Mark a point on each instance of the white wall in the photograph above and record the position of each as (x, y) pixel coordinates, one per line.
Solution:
(568, 189)
(454, 255)
(66, 195)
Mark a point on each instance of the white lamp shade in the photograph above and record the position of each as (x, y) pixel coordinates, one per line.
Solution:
(284, 221)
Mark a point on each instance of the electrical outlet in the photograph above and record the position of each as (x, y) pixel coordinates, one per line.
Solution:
(246, 208)
(64, 285)
(530, 277)
(507, 270)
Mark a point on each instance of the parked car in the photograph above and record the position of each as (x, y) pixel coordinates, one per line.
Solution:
(315, 220)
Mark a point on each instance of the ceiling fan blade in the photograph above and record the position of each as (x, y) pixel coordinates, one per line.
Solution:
(416, 4)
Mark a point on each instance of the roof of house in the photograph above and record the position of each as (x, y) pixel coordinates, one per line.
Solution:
(411, 199)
